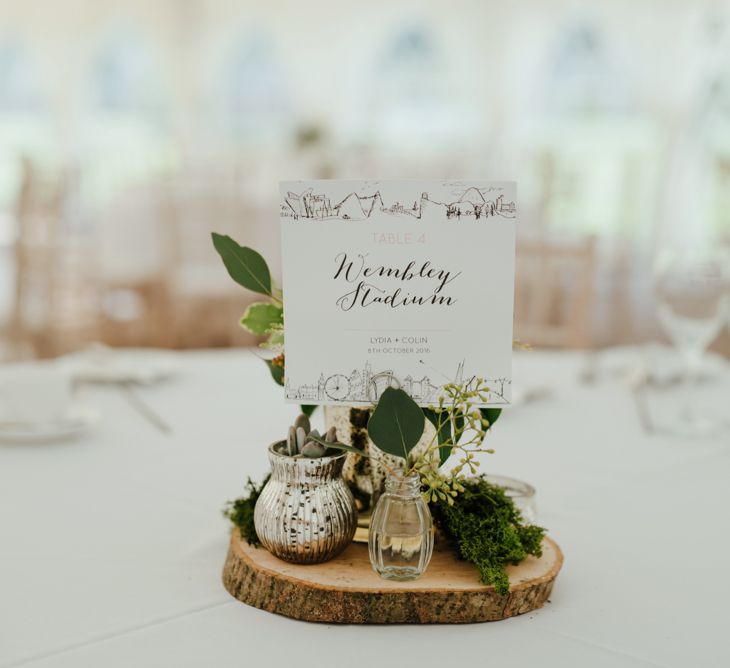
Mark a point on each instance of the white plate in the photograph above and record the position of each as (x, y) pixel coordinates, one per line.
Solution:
(100, 364)
(78, 420)
(658, 364)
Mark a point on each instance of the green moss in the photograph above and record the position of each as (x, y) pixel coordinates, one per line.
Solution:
(240, 511)
(487, 529)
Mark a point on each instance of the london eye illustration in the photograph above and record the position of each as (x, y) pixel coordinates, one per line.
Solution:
(365, 386)
(337, 387)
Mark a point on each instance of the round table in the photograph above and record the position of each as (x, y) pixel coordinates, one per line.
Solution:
(112, 545)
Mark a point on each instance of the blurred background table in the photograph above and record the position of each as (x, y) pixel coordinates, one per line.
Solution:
(113, 544)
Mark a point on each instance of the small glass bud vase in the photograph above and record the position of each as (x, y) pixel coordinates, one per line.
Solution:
(401, 530)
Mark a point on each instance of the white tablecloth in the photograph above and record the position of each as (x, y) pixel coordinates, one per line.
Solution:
(111, 546)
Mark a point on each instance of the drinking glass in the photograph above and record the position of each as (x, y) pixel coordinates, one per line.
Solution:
(691, 291)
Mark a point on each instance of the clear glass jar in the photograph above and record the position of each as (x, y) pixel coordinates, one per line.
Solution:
(522, 493)
(401, 530)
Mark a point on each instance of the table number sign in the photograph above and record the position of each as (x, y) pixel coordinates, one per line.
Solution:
(397, 284)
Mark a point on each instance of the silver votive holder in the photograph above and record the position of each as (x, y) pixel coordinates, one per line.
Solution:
(306, 513)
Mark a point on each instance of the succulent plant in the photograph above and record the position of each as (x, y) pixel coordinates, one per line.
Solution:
(303, 441)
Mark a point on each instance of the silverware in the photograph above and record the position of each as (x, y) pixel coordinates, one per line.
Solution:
(143, 408)
(638, 383)
(589, 373)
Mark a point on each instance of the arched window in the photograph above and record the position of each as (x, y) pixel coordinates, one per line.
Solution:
(595, 161)
(20, 89)
(124, 76)
(410, 101)
(704, 169)
(582, 74)
(252, 92)
(408, 66)
(124, 136)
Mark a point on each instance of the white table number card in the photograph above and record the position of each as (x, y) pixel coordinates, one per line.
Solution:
(397, 283)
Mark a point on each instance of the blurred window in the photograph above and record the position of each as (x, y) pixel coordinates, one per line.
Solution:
(583, 74)
(19, 85)
(598, 162)
(716, 143)
(410, 101)
(253, 95)
(125, 133)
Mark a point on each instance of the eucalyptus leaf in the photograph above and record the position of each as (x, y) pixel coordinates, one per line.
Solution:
(260, 317)
(245, 266)
(443, 431)
(397, 423)
(491, 415)
(308, 409)
(277, 372)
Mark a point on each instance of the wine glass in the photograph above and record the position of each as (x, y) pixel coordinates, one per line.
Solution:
(691, 290)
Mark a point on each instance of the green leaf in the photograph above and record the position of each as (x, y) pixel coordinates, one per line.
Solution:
(491, 415)
(275, 340)
(307, 409)
(443, 432)
(244, 265)
(397, 423)
(444, 454)
(277, 372)
(260, 317)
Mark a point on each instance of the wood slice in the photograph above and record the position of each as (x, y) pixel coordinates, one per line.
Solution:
(346, 590)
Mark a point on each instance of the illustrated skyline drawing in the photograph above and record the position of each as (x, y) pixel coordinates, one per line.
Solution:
(365, 386)
(472, 203)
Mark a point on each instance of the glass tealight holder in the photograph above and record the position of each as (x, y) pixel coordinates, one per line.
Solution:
(522, 493)
(401, 530)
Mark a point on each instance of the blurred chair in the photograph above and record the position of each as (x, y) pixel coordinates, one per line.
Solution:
(164, 284)
(56, 301)
(135, 252)
(554, 292)
(206, 304)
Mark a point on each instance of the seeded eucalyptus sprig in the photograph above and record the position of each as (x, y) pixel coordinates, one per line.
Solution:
(461, 426)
